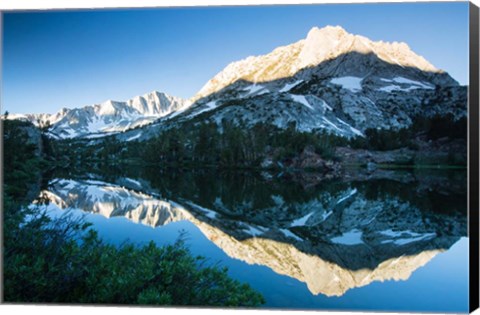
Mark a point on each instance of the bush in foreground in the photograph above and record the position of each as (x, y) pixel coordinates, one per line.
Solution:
(62, 260)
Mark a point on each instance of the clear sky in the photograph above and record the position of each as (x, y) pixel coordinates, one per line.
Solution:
(75, 58)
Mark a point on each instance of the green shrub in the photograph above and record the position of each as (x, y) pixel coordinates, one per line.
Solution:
(62, 260)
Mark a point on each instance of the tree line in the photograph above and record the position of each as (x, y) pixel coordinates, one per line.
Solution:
(207, 144)
(239, 146)
(430, 128)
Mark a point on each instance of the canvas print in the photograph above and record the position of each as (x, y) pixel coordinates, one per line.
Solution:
(276, 156)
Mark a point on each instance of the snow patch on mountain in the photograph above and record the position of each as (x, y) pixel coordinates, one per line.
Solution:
(404, 84)
(301, 99)
(254, 231)
(325, 216)
(289, 233)
(412, 82)
(207, 212)
(290, 86)
(301, 221)
(354, 130)
(353, 237)
(134, 137)
(208, 107)
(135, 182)
(331, 124)
(326, 106)
(350, 83)
(253, 88)
(96, 125)
(348, 195)
(405, 237)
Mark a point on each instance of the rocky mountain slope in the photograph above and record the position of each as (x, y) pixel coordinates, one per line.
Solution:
(332, 80)
(320, 45)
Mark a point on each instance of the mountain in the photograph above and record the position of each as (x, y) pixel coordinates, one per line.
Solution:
(41, 120)
(331, 80)
(319, 46)
(106, 118)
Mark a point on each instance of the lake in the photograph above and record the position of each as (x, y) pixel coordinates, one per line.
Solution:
(372, 240)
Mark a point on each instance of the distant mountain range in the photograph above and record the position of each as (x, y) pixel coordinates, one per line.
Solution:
(106, 118)
(331, 80)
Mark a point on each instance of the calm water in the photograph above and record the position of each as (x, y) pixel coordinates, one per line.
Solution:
(371, 241)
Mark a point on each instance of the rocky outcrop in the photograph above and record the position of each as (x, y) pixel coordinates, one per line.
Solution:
(308, 159)
(443, 151)
(350, 156)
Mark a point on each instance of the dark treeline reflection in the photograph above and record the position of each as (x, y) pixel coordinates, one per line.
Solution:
(439, 191)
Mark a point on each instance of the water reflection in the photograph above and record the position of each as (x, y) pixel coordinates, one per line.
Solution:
(331, 235)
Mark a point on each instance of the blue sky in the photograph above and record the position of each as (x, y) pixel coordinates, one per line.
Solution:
(75, 58)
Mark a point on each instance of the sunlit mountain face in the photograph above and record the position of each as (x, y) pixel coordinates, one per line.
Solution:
(333, 236)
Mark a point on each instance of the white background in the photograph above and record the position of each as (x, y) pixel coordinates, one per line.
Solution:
(74, 310)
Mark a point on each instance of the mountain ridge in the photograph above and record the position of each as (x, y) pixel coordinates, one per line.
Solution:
(344, 96)
(310, 52)
(107, 117)
(331, 80)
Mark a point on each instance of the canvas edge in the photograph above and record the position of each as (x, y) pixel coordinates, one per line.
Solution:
(1, 158)
(473, 166)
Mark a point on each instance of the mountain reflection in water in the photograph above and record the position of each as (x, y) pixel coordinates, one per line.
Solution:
(333, 236)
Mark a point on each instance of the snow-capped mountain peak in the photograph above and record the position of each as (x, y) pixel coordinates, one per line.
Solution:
(155, 103)
(327, 43)
(109, 108)
(323, 44)
(320, 45)
(332, 81)
(108, 117)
